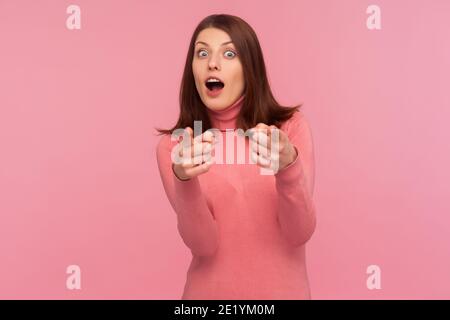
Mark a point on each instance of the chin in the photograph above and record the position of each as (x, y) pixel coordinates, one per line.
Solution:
(215, 103)
(216, 106)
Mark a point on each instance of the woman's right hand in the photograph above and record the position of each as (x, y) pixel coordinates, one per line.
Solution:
(195, 154)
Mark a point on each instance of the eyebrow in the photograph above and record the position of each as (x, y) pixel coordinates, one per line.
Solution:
(201, 42)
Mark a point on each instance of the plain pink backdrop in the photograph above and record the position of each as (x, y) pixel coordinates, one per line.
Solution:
(79, 182)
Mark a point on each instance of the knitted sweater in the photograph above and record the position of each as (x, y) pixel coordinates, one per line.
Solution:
(246, 231)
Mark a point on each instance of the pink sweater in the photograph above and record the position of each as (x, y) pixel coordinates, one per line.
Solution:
(246, 231)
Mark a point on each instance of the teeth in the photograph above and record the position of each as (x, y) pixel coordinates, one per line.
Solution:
(213, 80)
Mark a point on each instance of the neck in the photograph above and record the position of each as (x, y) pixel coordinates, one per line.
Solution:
(226, 118)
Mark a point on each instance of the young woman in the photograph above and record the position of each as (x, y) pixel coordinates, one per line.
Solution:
(246, 230)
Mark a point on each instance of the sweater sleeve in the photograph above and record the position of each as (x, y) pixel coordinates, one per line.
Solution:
(295, 184)
(195, 222)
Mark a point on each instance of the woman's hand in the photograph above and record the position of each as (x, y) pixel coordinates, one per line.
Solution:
(270, 154)
(195, 154)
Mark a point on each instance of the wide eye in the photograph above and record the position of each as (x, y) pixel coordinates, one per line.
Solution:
(200, 51)
(230, 55)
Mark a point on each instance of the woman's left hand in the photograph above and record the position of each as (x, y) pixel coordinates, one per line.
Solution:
(270, 154)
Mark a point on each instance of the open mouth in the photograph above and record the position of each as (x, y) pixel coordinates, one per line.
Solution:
(214, 85)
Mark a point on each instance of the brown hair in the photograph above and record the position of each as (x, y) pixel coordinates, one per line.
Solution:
(259, 103)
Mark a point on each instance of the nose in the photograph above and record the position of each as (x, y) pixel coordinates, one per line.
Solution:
(214, 63)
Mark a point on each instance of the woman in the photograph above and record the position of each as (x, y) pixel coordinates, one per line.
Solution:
(246, 230)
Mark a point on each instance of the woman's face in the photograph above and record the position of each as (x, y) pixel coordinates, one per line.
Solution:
(216, 56)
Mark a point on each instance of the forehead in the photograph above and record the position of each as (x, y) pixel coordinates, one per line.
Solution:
(213, 37)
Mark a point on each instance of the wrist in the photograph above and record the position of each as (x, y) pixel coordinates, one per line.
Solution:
(175, 170)
(290, 156)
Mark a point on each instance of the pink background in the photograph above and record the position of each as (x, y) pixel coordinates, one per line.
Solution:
(79, 182)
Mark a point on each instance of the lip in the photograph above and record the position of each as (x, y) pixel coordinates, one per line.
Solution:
(214, 77)
(214, 93)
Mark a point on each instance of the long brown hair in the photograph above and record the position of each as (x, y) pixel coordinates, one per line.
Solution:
(259, 103)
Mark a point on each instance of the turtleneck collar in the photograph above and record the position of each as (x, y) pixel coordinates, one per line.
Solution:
(226, 118)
